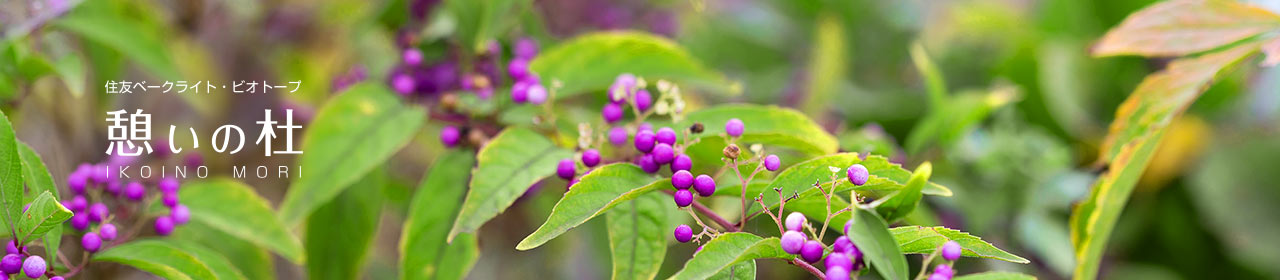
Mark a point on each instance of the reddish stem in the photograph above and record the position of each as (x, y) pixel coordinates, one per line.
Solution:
(806, 266)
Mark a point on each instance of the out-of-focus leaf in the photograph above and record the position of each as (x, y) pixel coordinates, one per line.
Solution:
(594, 194)
(71, 71)
(924, 240)
(952, 119)
(344, 227)
(1138, 127)
(591, 62)
(638, 235)
(769, 125)
(479, 22)
(1181, 27)
(461, 254)
(44, 214)
(1235, 193)
(878, 246)
(217, 263)
(158, 257)
(995, 275)
(435, 204)
(1272, 49)
(728, 249)
(123, 35)
(827, 65)
(11, 177)
(508, 165)
(250, 259)
(233, 207)
(934, 82)
(350, 136)
(39, 181)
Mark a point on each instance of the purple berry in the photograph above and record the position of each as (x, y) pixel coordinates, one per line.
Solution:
(76, 182)
(169, 185)
(944, 269)
(98, 212)
(842, 245)
(644, 141)
(180, 214)
(565, 169)
(525, 48)
(169, 199)
(403, 83)
(164, 225)
(100, 173)
(520, 92)
(682, 179)
(839, 260)
(795, 221)
(837, 273)
(618, 136)
(792, 242)
(77, 203)
(135, 191)
(772, 163)
(622, 87)
(12, 248)
(939, 277)
(612, 112)
(107, 232)
(518, 68)
(450, 136)
(643, 100)
(734, 127)
(951, 250)
(666, 135)
(647, 164)
(113, 188)
(590, 157)
(34, 266)
(683, 198)
(91, 242)
(537, 94)
(11, 263)
(812, 251)
(684, 233)
(704, 185)
(572, 182)
(80, 220)
(663, 153)
(857, 174)
(412, 57)
(50, 278)
(681, 163)
(645, 127)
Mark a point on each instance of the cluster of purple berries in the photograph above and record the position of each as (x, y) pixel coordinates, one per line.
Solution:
(94, 181)
(568, 168)
(950, 252)
(843, 259)
(527, 87)
(626, 90)
(32, 266)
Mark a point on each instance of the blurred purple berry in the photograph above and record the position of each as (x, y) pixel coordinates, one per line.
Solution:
(734, 127)
(944, 269)
(164, 225)
(839, 260)
(34, 267)
(113, 188)
(412, 57)
(663, 153)
(11, 263)
(520, 92)
(704, 185)
(80, 220)
(666, 135)
(951, 250)
(525, 48)
(772, 162)
(792, 241)
(644, 141)
(857, 174)
(684, 233)
(612, 112)
(180, 214)
(645, 127)
(681, 162)
(518, 68)
(100, 173)
(682, 179)
(169, 199)
(537, 94)
(50, 278)
(591, 157)
(403, 84)
(648, 164)
(98, 212)
(622, 87)
(169, 185)
(842, 245)
(135, 191)
(643, 100)
(107, 231)
(450, 136)
(565, 169)
(837, 273)
(76, 182)
(618, 136)
(683, 197)
(11, 248)
(939, 277)
(812, 251)
(795, 221)
(91, 242)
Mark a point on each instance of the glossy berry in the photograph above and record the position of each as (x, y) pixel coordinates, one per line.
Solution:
(537, 94)
(682, 179)
(164, 225)
(403, 83)
(857, 174)
(80, 220)
(681, 162)
(734, 127)
(612, 112)
(837, 273)
(792, 241)
(77, 203)
(944, 269)
(412, 57)
(91, 242)
(180, 214)
(647, 164)
(450, 136)
(666, 135)
(11, 249)
(11, 263)
(839, 260)
(135, 191)
(683, 198)
(520, 92)
(168, 185)
(704, 185)
(643, 100)
(618, 136)
(591, 158)
(169, 199)
(772, 162)
(107, 232)
(684, 233)
(565, 169)
(34, 266)
(98, 212)
(951, 250)
(663, 153)
(812, 251)
(644, 141)
(795, 221)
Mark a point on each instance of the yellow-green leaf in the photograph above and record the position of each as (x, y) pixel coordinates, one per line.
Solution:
(508, 165)
(1181, 27)
(728, 249)
(638, 234)
(236, 209)
(435, 204)
(594, 194)
(592, 61)
(924, 240)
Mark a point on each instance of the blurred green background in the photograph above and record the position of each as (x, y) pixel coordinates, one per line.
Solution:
(1001, 95)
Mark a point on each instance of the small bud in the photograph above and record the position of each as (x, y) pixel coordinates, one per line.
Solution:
(696, 128)
(731, 151)
(449, 102)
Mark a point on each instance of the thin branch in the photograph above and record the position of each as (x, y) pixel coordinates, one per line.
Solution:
(807, 267)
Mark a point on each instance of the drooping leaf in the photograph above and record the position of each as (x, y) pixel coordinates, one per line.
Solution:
(344, 227)
(217, 263)
(878, 247)
(728, 249)
(44, 214)
(250, 259)
(743, 270)
(11, 177)
(593, 195)
(591, 62)
(1181, 27)
(995, 275)
(1138, 127)
(638, 236)
(234, 208)
(902, 202)
(39, 181)
(769, 125)
(123, 35)
(461, 254)
(924, 240)
(508, 165)
(158, 257)
(350, 135)
(435, 204)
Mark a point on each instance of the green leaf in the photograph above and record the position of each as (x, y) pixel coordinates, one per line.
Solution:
(996, 275)
(902, 202)
(233, 207)
(769, 125)
(158, 257)
(435, 204)
(479, 22)
(924, 240)
(727, 249)
(123, 35)
(11, 177)
(878, 247)
(39, 181)
(1139, 125)
(71, 71)
(350, 135)
(217, 263)
(951, 120)
(744, 270)
(595, 193)
(508, 165)
(1174, 28)
(463, 253)
(44, 214)
(886, 178)
(827, 65)
(344, 227)
(591, 62)
(250, 259)
(638, 232)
